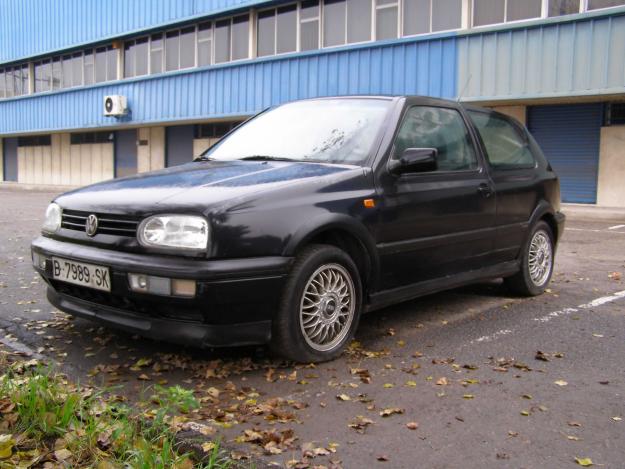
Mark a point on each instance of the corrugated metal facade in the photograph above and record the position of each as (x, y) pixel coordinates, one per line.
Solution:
(33, 27)
(425, 67)
(562, 58)
(569, 135)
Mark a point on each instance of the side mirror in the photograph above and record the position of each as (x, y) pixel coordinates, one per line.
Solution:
(415, 160)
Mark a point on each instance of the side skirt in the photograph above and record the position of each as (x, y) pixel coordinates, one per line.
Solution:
(397, 295)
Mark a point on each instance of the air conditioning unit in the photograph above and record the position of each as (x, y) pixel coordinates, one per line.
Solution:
(115, 105)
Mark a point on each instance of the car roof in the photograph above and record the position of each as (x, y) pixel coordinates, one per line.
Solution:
(413, 99)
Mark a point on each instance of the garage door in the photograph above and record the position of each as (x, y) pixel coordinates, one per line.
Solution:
(569, 135)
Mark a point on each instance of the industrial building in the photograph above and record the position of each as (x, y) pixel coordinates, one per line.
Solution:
(93, 89)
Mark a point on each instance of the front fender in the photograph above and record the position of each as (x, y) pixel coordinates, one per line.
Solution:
(334, 221)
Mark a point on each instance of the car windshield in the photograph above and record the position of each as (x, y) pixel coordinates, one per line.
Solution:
(328, 130)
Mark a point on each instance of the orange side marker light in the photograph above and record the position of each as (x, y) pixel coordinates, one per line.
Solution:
(369, 203)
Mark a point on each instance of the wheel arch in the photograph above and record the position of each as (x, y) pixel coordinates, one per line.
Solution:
(347, 234)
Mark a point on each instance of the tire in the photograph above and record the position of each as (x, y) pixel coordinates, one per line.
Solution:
(537, 260)
(309, 327)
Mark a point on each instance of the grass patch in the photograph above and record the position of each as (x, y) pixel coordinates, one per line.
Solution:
(47, 419)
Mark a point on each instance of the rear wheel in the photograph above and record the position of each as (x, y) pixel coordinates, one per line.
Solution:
(320, 306)
(536, 262)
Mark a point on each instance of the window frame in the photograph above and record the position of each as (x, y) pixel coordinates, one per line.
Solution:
(521, 132)
(399, 4)
(471, 132)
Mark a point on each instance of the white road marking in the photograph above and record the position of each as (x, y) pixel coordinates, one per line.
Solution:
(616, 227)
(488, 338)
(556, 314)
(592, 231)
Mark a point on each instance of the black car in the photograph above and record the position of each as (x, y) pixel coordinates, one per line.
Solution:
(304, 217)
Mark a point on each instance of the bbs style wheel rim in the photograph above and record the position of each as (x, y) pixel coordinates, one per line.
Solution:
(540, 258)
(327, 307)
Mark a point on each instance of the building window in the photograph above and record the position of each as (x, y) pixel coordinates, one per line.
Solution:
(426, 16)
(346, 22)
(33, 141)
(204, 44)
(563, 7)
(217, 130)
(105, 64)
(43, 76)
(386, 19)
(81, 68)
(91, 137)
(14, 81)
(240, 37)
(487, 12)
(615, 114)
(309, 25)
(277, 31)
(232, 39)
(598, 4)
(157, 53)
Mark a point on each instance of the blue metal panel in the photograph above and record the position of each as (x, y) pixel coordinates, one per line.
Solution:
(569, 135)
(561, 57)
(399, 67)
(34, 27)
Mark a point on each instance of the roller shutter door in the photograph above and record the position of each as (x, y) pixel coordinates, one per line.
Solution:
(569, 135)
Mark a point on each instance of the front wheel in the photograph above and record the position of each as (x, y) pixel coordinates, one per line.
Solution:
(320, 306)
(536, 262)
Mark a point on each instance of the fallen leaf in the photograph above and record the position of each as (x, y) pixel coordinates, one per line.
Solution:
(391, 411)
(442, 382)
(468, 396)
(598, 335)
(561, 382)
(526, 396)
(525, 413)
(6, 446)
(383, 458)
(208, 447)
(389, 385)
(541, 356)
(617, 419)
(360, 423)
(412, 425)
(572, 437)
(574, 424)
(585, 462)
(343, 397)
(62, 454)
(411, 384)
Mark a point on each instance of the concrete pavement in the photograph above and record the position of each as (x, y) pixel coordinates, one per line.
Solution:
(451, 380)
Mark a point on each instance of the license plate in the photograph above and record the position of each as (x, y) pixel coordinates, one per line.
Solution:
(79, 273)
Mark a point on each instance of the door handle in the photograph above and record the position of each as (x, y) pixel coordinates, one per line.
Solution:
(485, 190)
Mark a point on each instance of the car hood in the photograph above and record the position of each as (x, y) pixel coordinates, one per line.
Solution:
(196, 186)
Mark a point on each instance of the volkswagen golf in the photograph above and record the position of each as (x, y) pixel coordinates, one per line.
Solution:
(303, 218)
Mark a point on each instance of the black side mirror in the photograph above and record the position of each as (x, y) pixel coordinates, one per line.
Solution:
(415, 160)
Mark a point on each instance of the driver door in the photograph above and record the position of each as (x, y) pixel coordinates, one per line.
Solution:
(436, 223)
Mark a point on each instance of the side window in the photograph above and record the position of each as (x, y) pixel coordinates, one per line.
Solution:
(440, 128)
(506, 147)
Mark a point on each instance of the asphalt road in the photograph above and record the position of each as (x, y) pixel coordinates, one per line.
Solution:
(456, 371)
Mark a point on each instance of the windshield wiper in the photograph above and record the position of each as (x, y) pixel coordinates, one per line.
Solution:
(265, 158)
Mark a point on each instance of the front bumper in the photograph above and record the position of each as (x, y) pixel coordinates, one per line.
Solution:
(234, 304)
(560, 221)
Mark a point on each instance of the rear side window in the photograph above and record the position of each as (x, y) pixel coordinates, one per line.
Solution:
(440, 128)
(506, 147)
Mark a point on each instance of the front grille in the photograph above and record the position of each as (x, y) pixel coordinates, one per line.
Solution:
(117, 225)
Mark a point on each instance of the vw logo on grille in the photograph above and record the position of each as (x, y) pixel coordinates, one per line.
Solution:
(91, 226)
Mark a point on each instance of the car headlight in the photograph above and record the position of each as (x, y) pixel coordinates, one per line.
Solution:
(52, 221)
(174, 231)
